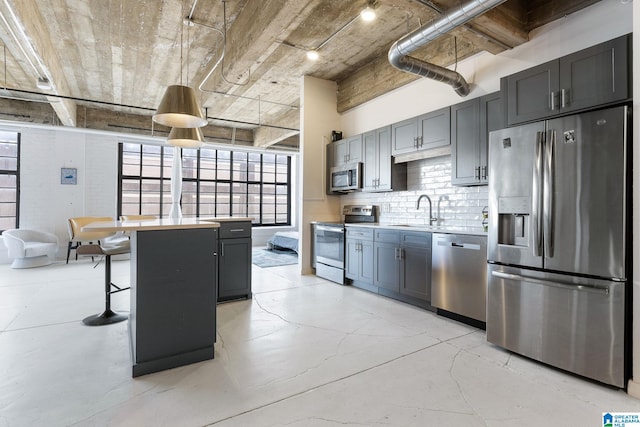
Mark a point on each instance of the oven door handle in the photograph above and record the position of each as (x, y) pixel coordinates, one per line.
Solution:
(331, 229)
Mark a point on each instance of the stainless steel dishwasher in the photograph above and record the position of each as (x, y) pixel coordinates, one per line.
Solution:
(459, 274)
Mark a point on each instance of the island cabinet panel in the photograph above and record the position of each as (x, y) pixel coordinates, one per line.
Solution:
(173, 298)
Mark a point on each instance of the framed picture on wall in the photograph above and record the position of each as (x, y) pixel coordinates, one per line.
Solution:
(68, 176)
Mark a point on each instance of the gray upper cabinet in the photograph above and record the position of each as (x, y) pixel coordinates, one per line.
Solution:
(433, 129)
(380, 172)
(348, 150)
(588, 78)
(424, 132)
(404, 136)
(471, 122)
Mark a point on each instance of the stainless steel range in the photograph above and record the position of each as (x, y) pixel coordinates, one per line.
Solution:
(328, 244)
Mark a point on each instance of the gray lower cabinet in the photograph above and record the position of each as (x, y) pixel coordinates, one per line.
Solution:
(471, 122)
(594, 76)
(415, 274)
(359, 255)
(386, 266)
(234, 260)
(402, 265)
(386, 261)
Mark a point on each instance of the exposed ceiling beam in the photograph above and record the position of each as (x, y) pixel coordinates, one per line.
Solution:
(35, 51)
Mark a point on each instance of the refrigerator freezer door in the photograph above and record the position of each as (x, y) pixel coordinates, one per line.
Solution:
(586, 199)
(515, 195)
(572, 323)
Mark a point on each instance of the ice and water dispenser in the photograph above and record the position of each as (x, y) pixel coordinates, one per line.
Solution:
(514, 214)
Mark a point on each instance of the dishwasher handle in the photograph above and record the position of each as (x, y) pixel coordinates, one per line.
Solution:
(472, 246)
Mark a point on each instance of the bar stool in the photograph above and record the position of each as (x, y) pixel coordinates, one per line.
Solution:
(120, 247)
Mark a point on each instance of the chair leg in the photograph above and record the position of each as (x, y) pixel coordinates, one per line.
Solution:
(108, 316)
(68, 251)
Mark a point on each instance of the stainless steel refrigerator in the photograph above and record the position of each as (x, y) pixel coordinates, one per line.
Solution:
(557, 244)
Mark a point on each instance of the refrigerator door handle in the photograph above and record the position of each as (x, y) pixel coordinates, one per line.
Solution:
(548, 189)
(537, 196)
(568, 286)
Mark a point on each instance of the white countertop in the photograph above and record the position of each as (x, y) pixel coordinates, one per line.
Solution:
(153, 224)
(477, 231)
(228, 219)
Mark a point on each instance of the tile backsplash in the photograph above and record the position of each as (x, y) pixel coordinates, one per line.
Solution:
(459, 206)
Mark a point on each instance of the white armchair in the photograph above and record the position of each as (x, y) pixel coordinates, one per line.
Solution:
(30, 248)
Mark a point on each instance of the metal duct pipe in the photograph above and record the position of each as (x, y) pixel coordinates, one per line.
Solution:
(400, 50)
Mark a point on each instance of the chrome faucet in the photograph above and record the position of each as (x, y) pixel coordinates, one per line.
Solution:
(431, 218)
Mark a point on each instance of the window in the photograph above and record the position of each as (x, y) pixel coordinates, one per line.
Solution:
(145, 180)
(9, 180)
(215, 182)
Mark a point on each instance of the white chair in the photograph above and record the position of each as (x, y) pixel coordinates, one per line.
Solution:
(30, 248)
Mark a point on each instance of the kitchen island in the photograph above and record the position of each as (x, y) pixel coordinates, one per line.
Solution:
(173, 291)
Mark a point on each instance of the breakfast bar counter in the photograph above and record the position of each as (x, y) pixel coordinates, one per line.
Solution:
(172, 321)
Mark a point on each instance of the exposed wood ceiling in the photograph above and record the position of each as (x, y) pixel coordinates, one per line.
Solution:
(110, 60)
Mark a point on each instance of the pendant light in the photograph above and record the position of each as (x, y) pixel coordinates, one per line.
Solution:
(179, 106)
(186, 137)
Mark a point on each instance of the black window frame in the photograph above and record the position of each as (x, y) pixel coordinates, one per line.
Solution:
(217, 182)
(15, 173)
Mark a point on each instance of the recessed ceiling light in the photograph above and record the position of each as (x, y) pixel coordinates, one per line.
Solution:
(368, 14)
(312, 55)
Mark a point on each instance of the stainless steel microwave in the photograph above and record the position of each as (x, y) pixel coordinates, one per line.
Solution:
(346, 178)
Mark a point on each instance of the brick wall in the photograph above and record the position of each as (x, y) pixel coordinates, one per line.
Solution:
(459, 206)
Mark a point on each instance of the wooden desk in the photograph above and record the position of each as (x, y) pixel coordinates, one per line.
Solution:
(173, 291)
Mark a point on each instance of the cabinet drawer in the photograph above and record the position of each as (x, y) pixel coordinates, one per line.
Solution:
(387, 236)
(235, 229)
(360, 233)
(416, 238)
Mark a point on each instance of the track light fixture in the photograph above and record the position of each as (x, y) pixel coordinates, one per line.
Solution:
(43, 83)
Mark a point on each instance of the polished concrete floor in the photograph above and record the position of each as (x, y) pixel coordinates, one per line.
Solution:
(302, 352)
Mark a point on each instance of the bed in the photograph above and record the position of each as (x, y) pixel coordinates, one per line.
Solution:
(284, 240)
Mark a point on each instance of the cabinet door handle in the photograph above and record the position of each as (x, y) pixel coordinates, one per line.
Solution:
(485, 172)
(478, 173)
(564, 98)
(421, 141)
(415, 142)
(236, 230)
(221, 248)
